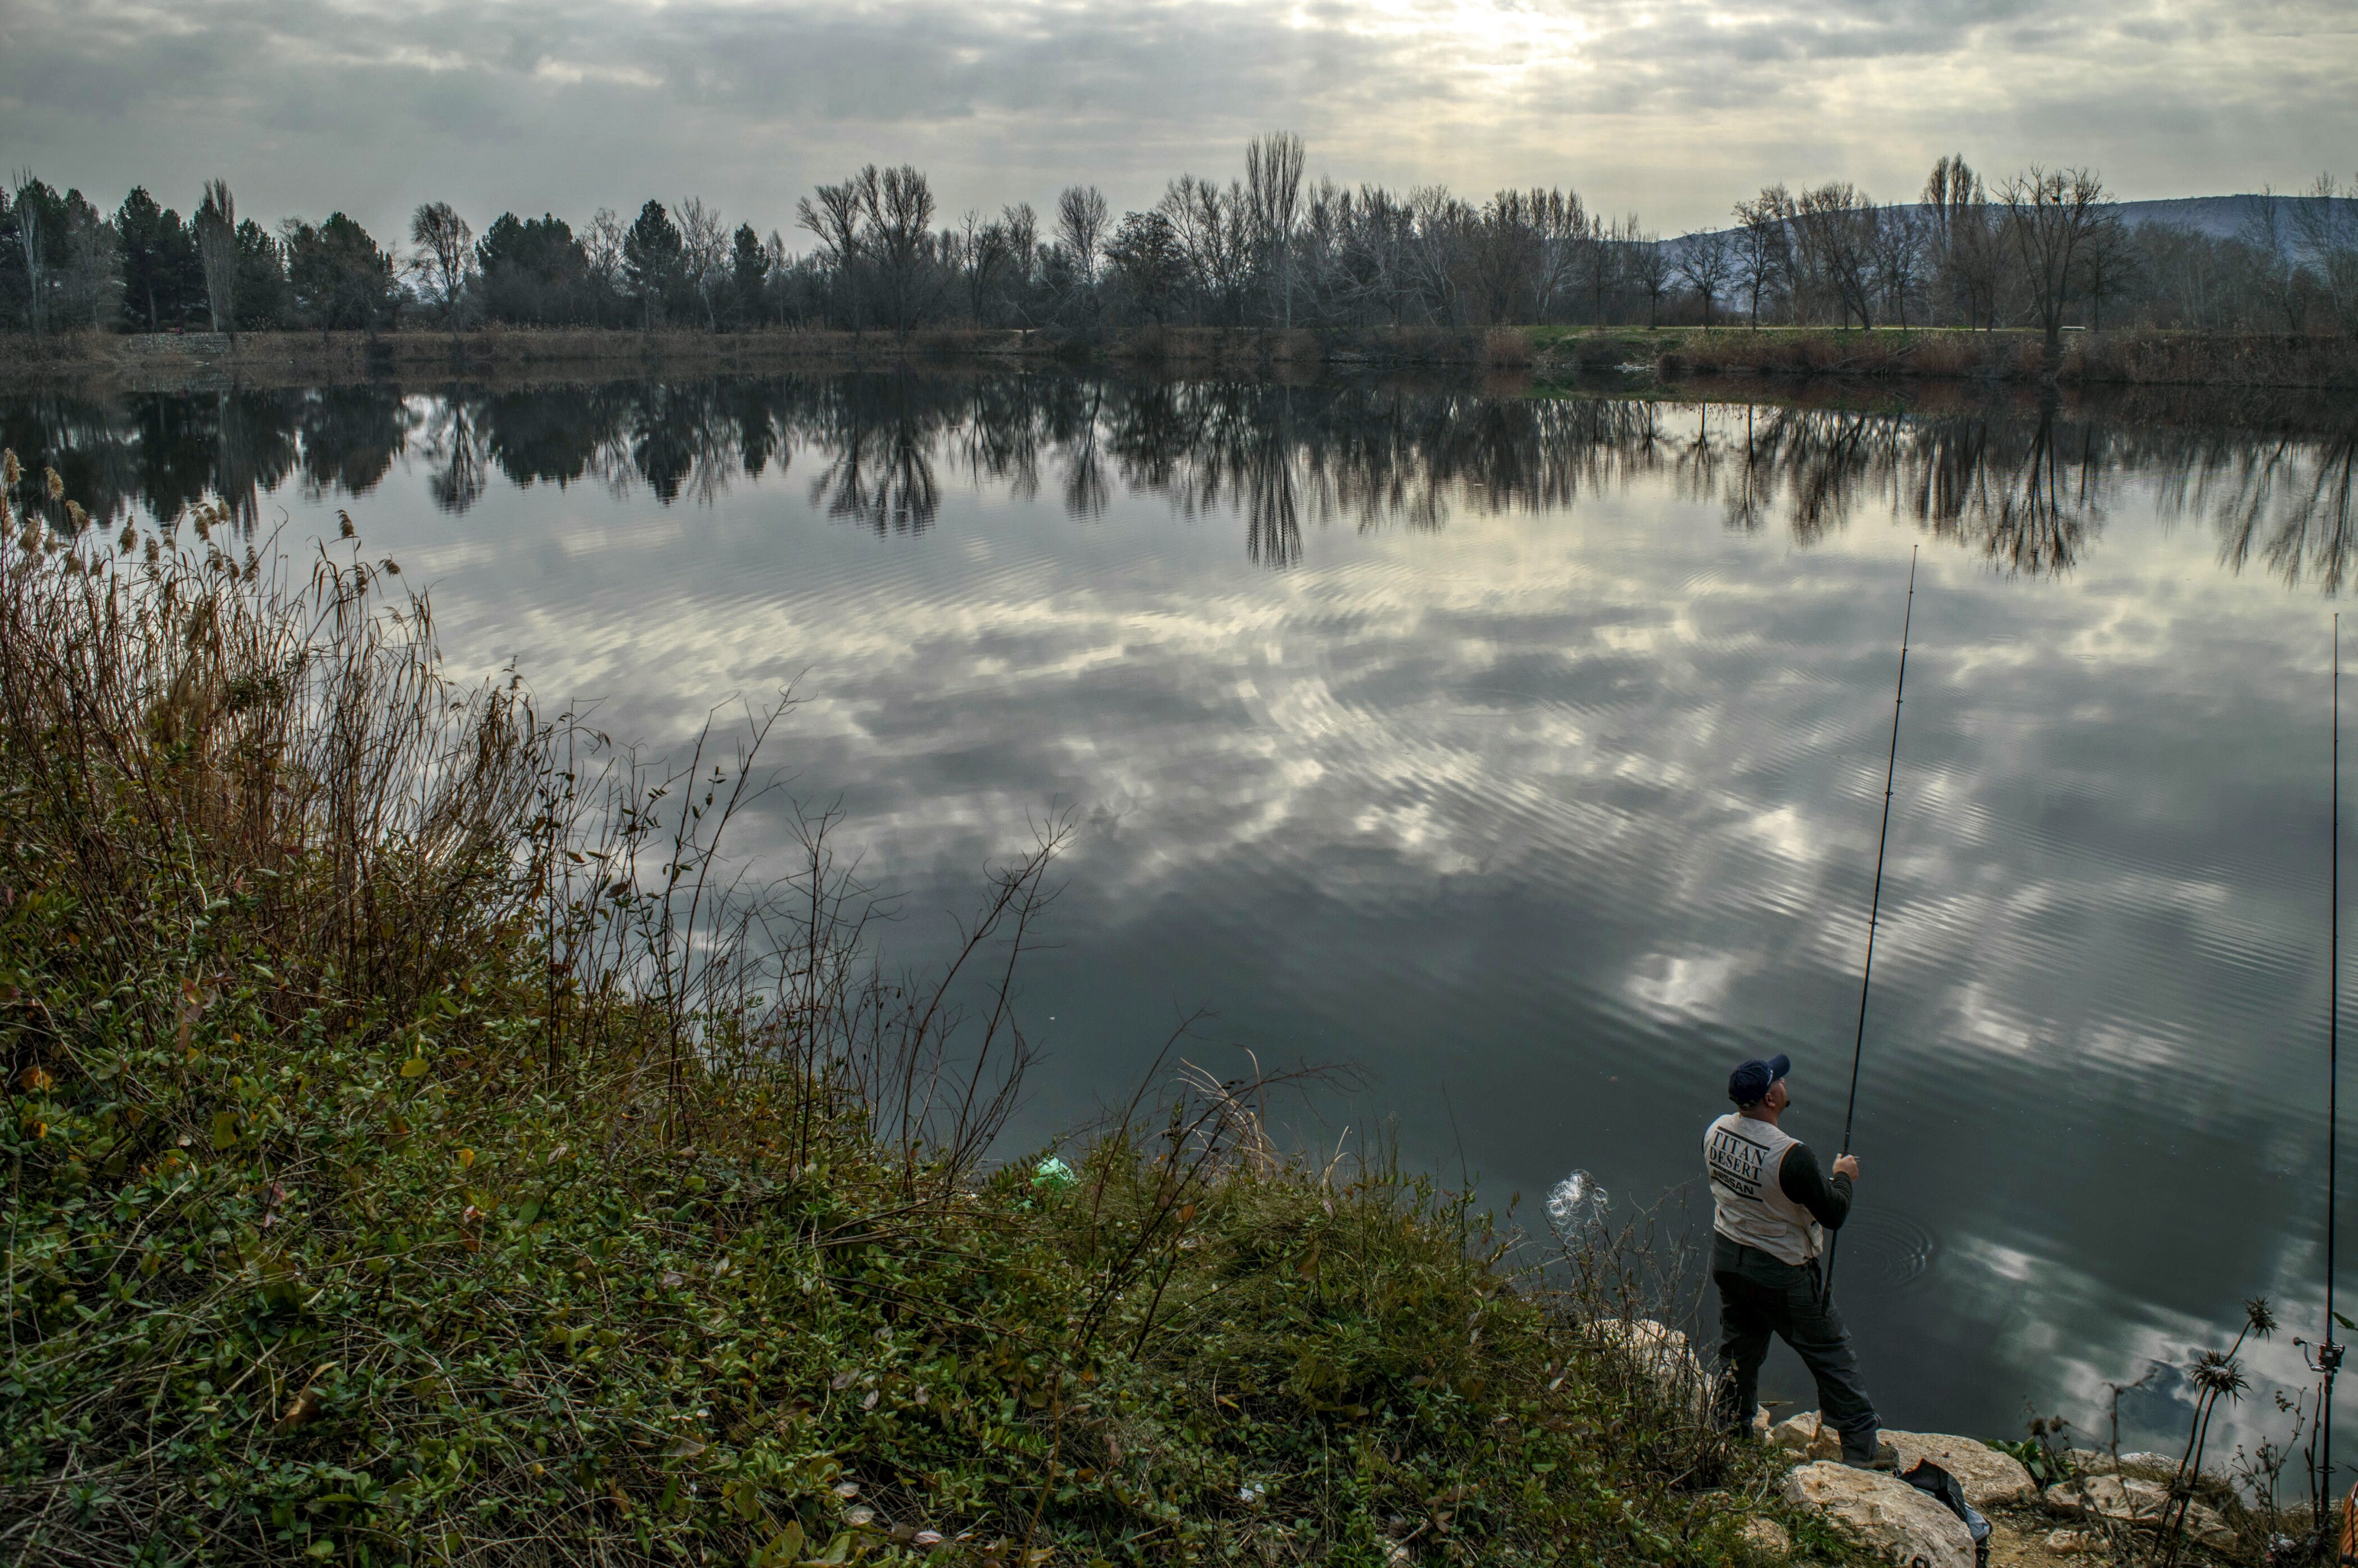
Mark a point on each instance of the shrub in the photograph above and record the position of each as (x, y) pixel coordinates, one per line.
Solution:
(1506, 346)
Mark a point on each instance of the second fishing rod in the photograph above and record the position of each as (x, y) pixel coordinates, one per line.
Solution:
(1874, 904)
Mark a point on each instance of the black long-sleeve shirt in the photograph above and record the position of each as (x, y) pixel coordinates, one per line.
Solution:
(1798, 1178)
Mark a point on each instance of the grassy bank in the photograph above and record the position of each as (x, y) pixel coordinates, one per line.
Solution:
(2088, 359)
(171, 362)
(419, 1150)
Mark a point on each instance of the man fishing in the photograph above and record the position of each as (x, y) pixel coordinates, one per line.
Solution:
(1771, 1209)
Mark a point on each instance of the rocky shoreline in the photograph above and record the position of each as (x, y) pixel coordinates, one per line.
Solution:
(2105, 1496)
(2105, 1500)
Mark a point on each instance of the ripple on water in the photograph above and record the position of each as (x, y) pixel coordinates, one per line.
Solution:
(1885, 1249)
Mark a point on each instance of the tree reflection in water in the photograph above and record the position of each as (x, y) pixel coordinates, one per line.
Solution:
(2027, 488)
(2288, 500)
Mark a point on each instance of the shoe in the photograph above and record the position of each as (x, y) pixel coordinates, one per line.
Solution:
(1870, 1455)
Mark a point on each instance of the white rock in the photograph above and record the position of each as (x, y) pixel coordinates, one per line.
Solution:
(1658, 1351)
(1766, 1536)
(2131, 1501)
(1808, 1435)
(2072, 1542)
(1989, 1478)
(1904, 1524)
(2144, 1466)
(2137, 1502)
(1761, 1425)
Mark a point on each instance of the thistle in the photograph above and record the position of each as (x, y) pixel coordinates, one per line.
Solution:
(2216, 1373)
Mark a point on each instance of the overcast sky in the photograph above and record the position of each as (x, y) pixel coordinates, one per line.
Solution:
(1673, 108)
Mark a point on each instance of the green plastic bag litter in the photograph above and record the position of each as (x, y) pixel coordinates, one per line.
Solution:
(1052, 1176)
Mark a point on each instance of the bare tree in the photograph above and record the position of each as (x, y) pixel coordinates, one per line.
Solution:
(2268, 234)
(1212, 230)
(1707, 261)
(1959, 244)
(900, 209)
(1649, 270)
(1499, 253)
(1273, 190)
(1898, 241)
(444, 257)
(2050, 216)
(2325, 227)
(1081, 226)
(601, 249)
(982, 256)
(1436, 248)
(1325, 231)
(1385, 241)
(2108, 265)
(216, 226)
(1558, 222)
(704, 252)
(1763, 243)
(1023, 226)
(30, 237)
(1835, 240)
(831, 214)
(1603, 260)
(876, 238)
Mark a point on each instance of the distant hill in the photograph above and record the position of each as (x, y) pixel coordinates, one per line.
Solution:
(2219, 217)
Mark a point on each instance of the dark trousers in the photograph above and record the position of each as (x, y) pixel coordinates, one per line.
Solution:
(1760, 1295)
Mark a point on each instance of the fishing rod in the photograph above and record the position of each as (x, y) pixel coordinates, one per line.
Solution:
(1874, 904)
(2329, 1354)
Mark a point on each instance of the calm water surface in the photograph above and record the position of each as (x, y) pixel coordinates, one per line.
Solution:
(1527, 754)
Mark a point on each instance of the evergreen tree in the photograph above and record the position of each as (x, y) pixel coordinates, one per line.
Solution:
(533, 270)
(162, 278)
(654, 261)
(749, 271)
(339, 277)
(263, 298)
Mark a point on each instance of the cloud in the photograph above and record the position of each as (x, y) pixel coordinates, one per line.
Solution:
(1672, 107)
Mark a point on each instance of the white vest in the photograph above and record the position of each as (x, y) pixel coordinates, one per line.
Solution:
(1742, 1153)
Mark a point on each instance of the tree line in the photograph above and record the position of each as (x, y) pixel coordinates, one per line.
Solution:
(2046, 249)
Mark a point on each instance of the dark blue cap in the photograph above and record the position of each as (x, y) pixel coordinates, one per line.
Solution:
(1750, 1082)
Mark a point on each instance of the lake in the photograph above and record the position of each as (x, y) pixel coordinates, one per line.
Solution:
(1525, 754)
